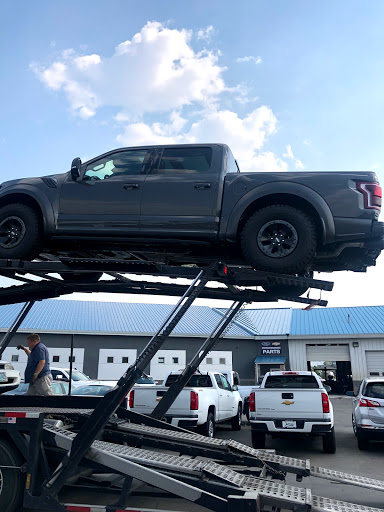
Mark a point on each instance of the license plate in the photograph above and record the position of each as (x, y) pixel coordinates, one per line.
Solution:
(289, 424)
(3, 377)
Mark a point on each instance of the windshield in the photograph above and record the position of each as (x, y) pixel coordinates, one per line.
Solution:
(76, 375)
(145, 380)
(291, 381)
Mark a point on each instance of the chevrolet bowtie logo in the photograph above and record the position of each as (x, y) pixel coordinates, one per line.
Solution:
(287, 402)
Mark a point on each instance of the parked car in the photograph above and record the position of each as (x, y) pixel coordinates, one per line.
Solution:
(368, 412)
(207, 399)
(78, 378)
(92, 389)
(291, 404)
(58, 388)
(9, 377)
(191, 204)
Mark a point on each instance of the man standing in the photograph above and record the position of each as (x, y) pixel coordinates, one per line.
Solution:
(37, 372)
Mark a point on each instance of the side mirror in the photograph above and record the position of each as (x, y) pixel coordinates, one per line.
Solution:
(350, 393)
(327, 388)
(235, 388)
(75, 168)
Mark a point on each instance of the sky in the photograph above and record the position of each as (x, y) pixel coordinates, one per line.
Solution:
(287, 84)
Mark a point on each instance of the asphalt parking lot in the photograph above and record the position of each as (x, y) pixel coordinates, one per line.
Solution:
(348, 458)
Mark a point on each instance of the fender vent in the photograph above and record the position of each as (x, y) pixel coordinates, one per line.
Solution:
(50, 182)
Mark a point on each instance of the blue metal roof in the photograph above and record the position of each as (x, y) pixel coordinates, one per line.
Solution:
(144, 319)
(270, 360)
(356, 320)
(112, 317)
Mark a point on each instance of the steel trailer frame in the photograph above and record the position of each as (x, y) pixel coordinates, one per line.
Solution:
(208, 483)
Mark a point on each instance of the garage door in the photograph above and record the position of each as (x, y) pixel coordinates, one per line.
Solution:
(333, 352)
(59, 358)
(166, 361)
(375, 362)
(114, 362)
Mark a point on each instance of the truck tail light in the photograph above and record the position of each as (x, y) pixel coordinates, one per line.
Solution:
(325, 401)
(252, 402)
(131, 399)
(364, 402)
(372, 194)
(194, 401)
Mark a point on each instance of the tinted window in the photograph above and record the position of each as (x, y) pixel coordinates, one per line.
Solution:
(184, 161)
(374, 390)
(124, 163)
(219, 381)
(145, 380)
(201, 381)
(291, 381)
(225, 383)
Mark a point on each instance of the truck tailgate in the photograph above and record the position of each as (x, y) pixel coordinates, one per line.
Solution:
(283, 403)
(146, 399)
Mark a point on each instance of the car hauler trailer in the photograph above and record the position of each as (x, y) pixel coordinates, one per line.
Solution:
(48, 444)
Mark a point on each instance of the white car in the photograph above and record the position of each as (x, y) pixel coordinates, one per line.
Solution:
(9, 377)
(78, 378)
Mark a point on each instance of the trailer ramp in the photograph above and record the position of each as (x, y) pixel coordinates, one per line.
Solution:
(184, 476)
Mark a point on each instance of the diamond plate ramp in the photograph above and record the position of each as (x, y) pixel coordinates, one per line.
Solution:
(347, 478)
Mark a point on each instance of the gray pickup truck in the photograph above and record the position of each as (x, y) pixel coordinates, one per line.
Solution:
(190, 204)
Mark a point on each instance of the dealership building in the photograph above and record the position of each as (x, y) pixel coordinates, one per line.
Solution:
(107, 337)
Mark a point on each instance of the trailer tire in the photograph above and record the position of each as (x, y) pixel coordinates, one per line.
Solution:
(208, 428)
(258, 439)
(236, 420)
(11, 480)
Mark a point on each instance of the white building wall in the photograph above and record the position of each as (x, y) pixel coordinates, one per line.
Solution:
(217, 361)
(114, 369)
(166, 361)
(62, 353)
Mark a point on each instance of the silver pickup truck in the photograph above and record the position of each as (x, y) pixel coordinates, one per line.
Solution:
(190, 204)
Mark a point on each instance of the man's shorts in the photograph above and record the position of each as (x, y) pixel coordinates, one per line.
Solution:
(42, 386)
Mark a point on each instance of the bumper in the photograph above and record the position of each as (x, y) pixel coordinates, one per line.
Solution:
(182, 421)
(304, 427)
(377, 239)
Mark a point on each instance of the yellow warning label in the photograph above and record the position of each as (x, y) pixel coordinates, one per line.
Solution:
(28, 481)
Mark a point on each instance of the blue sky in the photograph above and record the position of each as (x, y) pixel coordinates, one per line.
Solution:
(289, 85)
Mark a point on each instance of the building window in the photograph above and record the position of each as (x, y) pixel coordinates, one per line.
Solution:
(161, 360)
(124, 359)
(109, 359)
(175, 360)
(222, 360)
(55, 359)
(209, 360)
(15, 358)
(73, 359)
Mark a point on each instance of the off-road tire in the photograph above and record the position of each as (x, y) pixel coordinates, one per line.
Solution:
(258, 439)
(208, 428)
(329, 442)
(296, 234)
(27, 223)
(236, 420)
(11, 480)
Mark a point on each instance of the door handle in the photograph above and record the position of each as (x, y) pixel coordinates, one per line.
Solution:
(202, 186)
(131, 186)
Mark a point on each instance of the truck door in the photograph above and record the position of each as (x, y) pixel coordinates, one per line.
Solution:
(181, 193)
(106, 198)
(231, 405)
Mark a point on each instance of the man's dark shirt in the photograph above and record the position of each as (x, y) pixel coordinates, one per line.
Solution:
(38, 353)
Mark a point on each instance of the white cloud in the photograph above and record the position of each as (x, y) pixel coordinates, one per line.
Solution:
(156, 74)
(289, 155)
(156, 71)
(250, 58)
(206, 33)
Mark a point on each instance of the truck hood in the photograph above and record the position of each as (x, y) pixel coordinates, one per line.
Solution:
(51, 181)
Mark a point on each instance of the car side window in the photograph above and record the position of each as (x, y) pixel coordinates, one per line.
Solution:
(225, 383)
(123, 163)
(219, 381)
(184, 161)
(56, 373)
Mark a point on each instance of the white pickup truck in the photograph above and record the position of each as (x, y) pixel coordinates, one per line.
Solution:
(291, 404)
(207, 399)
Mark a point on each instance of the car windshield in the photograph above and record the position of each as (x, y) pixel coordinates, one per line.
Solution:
(202, 381)
(91, 390)
(145, 380)
(291, 381)
(374, 390)
(76, 375)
